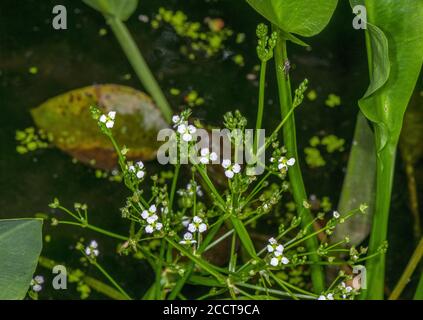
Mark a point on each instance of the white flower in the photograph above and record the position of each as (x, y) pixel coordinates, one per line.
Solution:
(207, 156)
(185, 221)
(188, 239)
(274, 246)
(230, 169)
(109, 120)
(336, 214)
(152, 219)
(190, 190)
(176, 119)
(197, 224)
(36, 283)
(147, 213)
(186, 131)
(329, 296)
(284, 163)
(138, 169)
(150, 228)
(92, 250)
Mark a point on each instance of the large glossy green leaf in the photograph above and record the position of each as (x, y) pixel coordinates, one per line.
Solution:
(68, 119)
(121, 9)
(395, 48)
(302, 17)
(20, 246)
(401, 21)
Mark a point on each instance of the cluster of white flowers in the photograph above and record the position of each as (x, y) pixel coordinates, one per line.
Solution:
(188, 239)
(152, 219)
(197, 189)
(197, 224)
(36, 283)
(138, 169)
(92, 249)
(284, 163)
(109, 119)
(184, 129)
(329, 296)
(346, 291)
(230, 169)
(207, 156)
(277, 250)
(342, 289)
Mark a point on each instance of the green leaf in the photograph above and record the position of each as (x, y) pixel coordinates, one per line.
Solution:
(67, 118)
(302, 17)
(419, 290)
(121, 9)
(20, 246)
(361, 163)
(395, 49)
(244, 236)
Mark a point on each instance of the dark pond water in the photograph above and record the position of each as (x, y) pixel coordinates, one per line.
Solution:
(79, 56)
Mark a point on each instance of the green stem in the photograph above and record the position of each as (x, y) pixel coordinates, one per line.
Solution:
(295, 177)
(110, 278)
(140, 66)
(419, 291)
(173, 187)
(385, 165)
(411, 266)
(260, 101)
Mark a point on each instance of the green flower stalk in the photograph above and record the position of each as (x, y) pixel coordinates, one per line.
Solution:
(290, 141)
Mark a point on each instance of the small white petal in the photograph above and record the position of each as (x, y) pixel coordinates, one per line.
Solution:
(274, 262)
(39, 279)
(285, 260)
(226, 163)
(182, 128)
(329, 296)
(204, 160)
(229, 174)
(145, 214)
(36, 288)
(110, 124)
(290, 162)
(202, 227)
(187, 137)
(192, 129)
(140, 174)
(188, 236)
(322, 297)
(95, 252)
(192, 227)
(282, 166)
(270, 248)
(336, 214)
(236, 168)
(204, 152)
(103, 118)
(88, 251)
(159, 226)
(152, 208)
(94, 244)
(272, 241)
(213, 156)
(149, 229)
(112, 115)
(131, 168)
(176, 119)
(153, 218)
(197, 219)
(140, 164)
(279, 248)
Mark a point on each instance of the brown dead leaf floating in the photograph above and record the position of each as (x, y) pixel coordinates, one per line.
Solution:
(68, 119)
